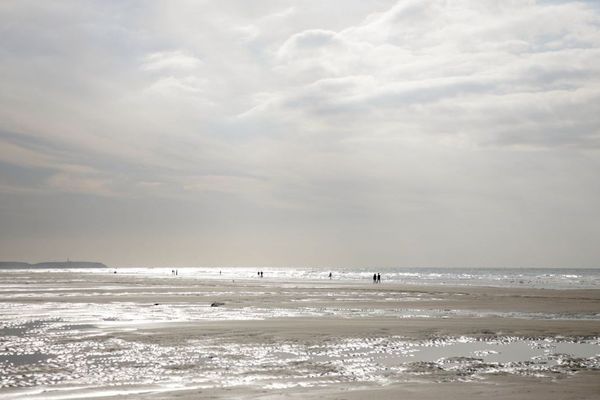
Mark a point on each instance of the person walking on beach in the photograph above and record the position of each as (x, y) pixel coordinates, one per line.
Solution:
(378, 278)
(374, 278)
(330, 275)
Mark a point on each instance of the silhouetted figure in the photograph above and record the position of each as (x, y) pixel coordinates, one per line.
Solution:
(261, 274)
(330, 275)
(378, 278)
(258, 273)
(374, 278)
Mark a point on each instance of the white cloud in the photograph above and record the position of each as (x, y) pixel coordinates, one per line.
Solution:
(171, 85)
(418, 54)
(170, 60)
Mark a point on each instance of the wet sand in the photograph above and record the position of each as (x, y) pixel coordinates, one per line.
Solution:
(174, 314)
(582, 386)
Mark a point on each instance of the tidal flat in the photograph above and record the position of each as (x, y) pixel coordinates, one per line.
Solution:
(74, 334)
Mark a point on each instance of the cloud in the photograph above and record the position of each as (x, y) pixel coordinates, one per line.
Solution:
(418, 56)
(175, 86)
(170, 60)
(374, 123)
(77, 184)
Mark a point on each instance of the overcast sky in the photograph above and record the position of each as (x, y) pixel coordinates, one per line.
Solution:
(305, 133)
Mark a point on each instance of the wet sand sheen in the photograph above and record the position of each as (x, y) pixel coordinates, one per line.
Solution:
(159, 337)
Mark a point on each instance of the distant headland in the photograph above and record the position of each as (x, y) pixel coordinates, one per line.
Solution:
(50, 264)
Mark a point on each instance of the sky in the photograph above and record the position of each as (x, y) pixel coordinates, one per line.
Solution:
(407, 133)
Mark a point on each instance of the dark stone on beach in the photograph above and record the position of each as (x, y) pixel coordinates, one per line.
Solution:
(217, 304)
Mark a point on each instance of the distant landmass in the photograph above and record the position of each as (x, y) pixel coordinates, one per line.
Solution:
(51, 264)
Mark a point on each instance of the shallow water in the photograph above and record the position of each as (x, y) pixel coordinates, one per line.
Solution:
(55, 354)
(122, 314)
(550, 278)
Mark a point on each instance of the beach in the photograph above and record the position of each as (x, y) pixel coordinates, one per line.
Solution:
(77, 334)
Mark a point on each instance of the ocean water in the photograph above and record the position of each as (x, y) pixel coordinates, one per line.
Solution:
(549, 278)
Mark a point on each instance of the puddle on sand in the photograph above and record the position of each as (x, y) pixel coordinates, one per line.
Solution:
(22, 359)
(505, 354)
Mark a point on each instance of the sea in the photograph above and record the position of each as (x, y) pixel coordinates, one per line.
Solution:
(547, 278)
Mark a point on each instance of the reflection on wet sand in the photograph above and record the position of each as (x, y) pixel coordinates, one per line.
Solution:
(139, 335)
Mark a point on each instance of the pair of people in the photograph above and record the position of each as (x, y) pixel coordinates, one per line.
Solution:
(377, 278)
